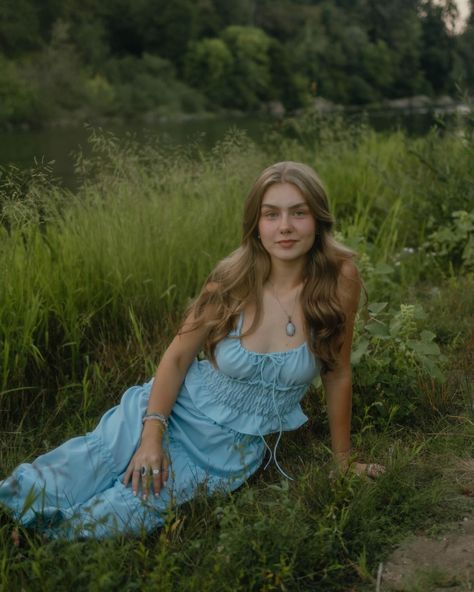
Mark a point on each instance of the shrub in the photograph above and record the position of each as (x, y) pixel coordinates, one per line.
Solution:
(17, 97)
(452, 246)
(392, 351)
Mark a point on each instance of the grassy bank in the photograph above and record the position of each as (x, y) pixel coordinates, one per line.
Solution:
(92, 288)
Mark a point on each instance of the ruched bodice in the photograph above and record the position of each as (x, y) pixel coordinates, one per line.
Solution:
(253, 393)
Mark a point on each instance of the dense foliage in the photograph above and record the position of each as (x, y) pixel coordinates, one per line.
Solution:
(76, 59)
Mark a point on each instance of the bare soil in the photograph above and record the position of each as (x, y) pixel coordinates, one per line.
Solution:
(443, 562)
(433, 564)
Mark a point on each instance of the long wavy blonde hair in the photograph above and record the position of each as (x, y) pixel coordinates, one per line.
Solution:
(238, 279)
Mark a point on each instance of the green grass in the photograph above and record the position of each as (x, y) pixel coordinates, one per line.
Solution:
(93, 285)
(310, 535)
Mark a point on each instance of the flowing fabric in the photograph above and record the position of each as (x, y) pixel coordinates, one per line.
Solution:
(215, 440)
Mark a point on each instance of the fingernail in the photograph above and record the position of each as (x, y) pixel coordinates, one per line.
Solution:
(157, 494)
(134, 493)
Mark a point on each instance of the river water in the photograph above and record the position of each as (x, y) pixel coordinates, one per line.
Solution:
(59, 146)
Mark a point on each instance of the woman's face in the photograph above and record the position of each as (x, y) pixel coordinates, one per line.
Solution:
(286, 226)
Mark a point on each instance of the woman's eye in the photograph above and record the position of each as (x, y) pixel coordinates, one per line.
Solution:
(270, 214)
(300, 213)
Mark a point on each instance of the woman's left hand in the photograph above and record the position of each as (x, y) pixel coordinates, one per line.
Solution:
(372, 470)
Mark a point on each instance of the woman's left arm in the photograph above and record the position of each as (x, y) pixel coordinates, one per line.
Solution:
(338, 382)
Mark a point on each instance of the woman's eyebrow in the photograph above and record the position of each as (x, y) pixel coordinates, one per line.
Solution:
(298, 205)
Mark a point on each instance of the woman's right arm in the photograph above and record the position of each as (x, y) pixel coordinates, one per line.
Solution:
(169, 376)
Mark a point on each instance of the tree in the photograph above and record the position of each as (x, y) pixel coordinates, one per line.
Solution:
(208, 66)
(437, 55)
(397, 24)
(19, 27)
(17, 98)
(283, 20)
(466, 49)
(337, 55)
(237, 12)
(250, 79)
(290, 87)
(166, 28)
(120, 23)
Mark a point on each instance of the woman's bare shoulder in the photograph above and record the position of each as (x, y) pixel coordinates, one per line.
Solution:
(349, 284)
(349, 271)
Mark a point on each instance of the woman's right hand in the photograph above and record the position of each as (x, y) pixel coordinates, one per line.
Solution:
(150, 455)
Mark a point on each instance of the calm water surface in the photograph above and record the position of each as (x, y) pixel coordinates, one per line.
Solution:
(59, 146)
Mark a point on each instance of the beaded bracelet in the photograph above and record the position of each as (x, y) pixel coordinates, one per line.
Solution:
(157, 416)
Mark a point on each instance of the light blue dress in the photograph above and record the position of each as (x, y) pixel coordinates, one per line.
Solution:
(215, 442)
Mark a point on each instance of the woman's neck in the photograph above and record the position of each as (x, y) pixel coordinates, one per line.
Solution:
(286, 278)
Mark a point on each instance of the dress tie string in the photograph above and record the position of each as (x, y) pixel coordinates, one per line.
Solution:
(276, 365)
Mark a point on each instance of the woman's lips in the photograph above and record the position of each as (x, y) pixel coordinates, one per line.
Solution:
(287, 243)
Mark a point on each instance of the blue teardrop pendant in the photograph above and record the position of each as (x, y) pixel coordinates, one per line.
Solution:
(290, 329)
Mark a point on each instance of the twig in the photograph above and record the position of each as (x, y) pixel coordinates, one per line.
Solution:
(379, 577)
(449, 434)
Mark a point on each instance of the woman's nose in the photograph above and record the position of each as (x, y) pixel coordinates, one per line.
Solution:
(285, 222)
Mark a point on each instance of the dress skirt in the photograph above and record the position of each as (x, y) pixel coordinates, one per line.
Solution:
(77, 491)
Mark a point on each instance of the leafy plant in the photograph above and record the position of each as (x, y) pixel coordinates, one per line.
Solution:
(391, 352)
(453, 245)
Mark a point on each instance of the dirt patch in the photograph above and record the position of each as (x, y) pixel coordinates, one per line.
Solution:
(433, 564)
(438, 563)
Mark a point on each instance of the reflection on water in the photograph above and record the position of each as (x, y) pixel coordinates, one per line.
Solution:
(59, 145)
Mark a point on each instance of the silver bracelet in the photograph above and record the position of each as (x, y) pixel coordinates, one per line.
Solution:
(158, 416)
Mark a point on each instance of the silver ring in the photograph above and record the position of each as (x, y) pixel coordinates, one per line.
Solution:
(156, 471)
(144, 471)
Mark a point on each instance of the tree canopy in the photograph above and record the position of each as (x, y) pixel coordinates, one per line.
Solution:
(128, 55)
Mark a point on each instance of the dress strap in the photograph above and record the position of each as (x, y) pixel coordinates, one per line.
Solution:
(240, 322)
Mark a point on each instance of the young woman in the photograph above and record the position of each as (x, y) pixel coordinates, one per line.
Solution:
(272, 316)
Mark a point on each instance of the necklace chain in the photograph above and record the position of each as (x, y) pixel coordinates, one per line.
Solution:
(290, 326)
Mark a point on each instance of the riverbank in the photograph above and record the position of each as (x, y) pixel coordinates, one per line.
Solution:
(442, 105)
(91, 295)
(273, 110)
(59, 147)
